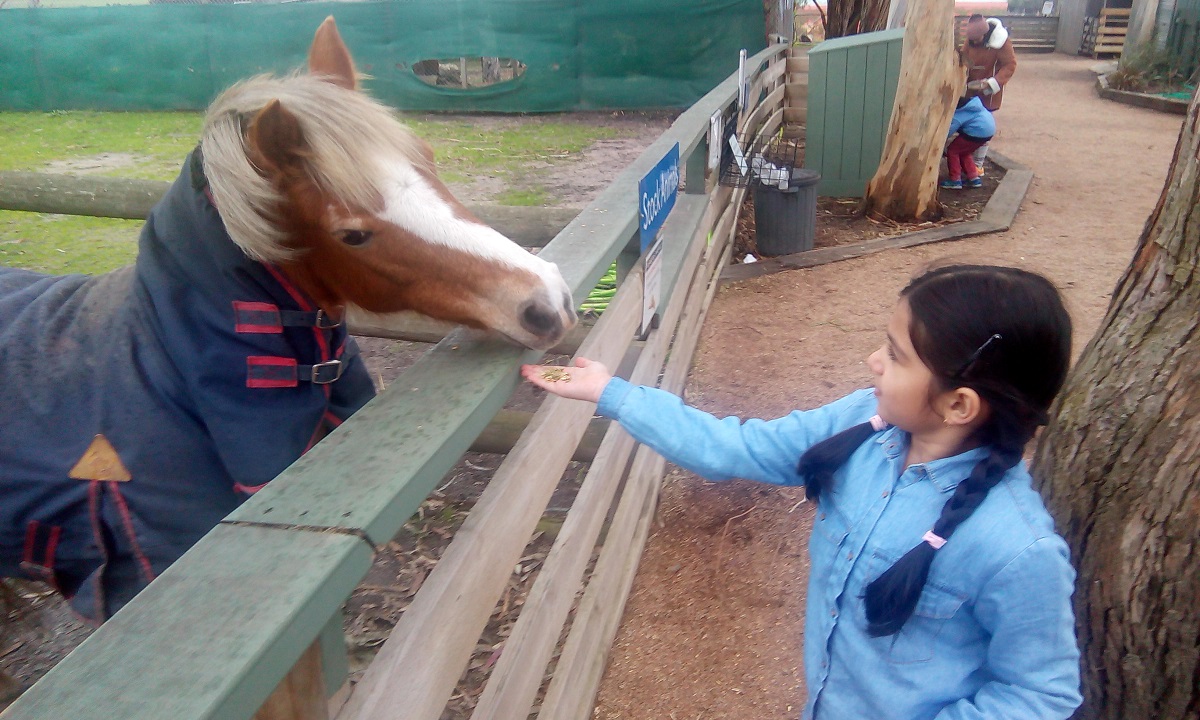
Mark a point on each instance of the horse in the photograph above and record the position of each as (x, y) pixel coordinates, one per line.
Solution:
(143, 405)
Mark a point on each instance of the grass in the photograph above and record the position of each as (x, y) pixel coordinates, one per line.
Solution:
(152, 146)
(1150, 69)
(528, 197)
(465, 151)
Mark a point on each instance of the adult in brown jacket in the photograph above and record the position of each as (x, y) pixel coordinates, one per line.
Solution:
(991, 62)
(989, 54)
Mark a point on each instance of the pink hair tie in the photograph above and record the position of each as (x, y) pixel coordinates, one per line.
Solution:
(878, 423)
(935, 541)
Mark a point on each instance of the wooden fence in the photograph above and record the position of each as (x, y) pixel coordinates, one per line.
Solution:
(248, 622)
(1029, 33)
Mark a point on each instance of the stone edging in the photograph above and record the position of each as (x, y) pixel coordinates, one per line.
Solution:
(996, 216)
(1145, 100)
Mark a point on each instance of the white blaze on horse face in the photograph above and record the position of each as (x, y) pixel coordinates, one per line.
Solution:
(413, 203)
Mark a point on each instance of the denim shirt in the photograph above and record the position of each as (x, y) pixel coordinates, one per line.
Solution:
(993, 634)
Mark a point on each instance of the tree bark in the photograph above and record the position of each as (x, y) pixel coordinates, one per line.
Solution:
(1119, 467)
(904, 187)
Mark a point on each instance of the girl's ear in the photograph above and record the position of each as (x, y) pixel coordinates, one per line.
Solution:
(962, 406)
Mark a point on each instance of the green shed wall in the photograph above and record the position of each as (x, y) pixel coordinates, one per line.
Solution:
(851, 90)
(579, 55)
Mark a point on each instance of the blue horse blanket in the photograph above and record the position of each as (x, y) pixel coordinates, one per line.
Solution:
(206, 372)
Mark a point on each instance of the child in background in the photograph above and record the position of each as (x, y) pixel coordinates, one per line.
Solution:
(975, 127)
(938, 587)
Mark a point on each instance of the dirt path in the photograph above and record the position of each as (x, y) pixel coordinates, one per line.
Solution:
(713, 629)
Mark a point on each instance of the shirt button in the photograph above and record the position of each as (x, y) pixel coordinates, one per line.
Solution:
(821, 516)
(833, 613)
(885, 493)
(849, 556)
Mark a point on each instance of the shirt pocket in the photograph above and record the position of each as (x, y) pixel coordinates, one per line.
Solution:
(920, 637)
(925, 631)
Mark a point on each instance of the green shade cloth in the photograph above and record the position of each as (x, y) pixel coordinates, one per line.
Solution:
(578, 55)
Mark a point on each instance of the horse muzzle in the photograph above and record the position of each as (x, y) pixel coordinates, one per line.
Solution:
(547, 320)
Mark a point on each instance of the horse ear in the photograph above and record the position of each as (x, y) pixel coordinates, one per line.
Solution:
(275, 140)
(329, 57)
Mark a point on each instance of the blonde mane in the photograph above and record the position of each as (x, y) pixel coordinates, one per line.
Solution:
(350, 136)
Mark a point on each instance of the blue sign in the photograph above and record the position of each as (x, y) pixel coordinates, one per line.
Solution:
(656, 195)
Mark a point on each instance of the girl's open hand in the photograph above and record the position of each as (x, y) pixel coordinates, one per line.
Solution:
(585, 381)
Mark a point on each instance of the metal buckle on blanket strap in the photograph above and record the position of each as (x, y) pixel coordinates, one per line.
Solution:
(323, 373)
(307, 318)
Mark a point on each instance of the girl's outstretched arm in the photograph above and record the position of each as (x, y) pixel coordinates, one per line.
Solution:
(585, 381)
(716, 448)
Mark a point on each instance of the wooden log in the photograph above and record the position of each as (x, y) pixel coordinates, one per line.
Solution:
(130, 199)
(528, 226)
(79, 195)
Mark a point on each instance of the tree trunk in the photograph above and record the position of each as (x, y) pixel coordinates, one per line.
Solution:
(780, 17)
(851, 17)
(1120, 463)
(931, 80)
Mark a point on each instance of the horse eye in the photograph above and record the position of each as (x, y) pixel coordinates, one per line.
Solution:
(354, 238)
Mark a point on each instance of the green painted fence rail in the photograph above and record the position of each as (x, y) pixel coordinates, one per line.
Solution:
(215, 634)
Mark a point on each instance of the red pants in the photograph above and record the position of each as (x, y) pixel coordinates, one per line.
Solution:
(959, 157)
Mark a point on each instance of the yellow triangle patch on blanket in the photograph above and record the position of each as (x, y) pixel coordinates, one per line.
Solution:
(100, 462)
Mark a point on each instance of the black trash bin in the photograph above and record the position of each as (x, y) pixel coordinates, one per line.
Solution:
(785, 218)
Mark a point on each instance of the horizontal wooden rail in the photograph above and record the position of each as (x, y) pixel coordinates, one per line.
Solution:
(502, 433)
(219, 630)
(99, 196)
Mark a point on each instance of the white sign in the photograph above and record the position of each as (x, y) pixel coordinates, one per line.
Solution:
(743, 88)
(738, 156)
(716, 128)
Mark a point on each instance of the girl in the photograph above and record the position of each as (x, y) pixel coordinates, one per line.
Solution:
(938, 587)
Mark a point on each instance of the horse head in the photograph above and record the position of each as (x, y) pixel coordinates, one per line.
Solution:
(314, 176)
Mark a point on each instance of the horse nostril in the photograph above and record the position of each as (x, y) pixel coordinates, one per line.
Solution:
(540, 319)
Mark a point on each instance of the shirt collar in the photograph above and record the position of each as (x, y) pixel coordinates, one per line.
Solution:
(945, 473)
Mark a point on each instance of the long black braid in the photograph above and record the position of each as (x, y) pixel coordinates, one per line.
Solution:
(1004, 333)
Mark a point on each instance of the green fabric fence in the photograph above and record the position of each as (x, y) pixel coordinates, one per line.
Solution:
(578, 55)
